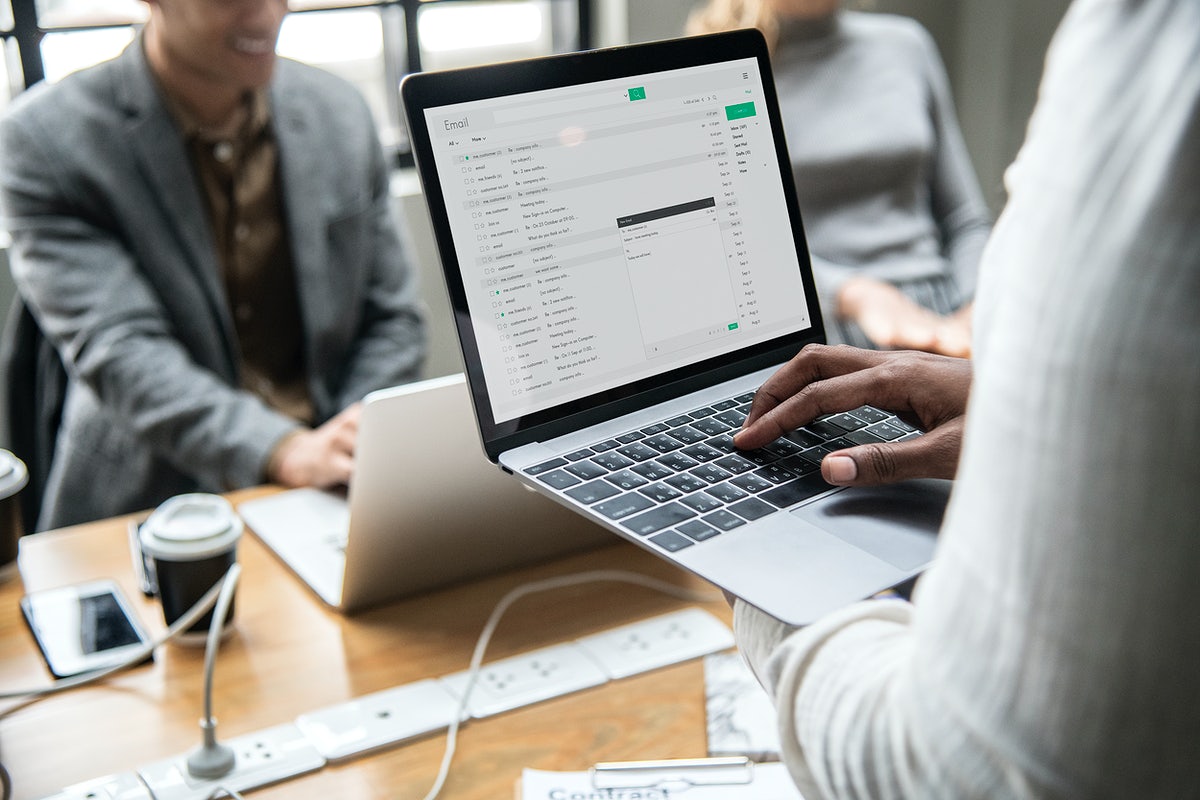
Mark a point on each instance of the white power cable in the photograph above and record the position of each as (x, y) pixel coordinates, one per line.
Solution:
(485, 637)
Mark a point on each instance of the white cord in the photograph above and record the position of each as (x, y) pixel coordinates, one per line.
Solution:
(180, 625)
(610, 575)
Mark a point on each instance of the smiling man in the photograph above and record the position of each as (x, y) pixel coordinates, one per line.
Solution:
(202, 231)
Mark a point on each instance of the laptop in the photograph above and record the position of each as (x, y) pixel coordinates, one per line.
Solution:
(424, 509)
(626, 263)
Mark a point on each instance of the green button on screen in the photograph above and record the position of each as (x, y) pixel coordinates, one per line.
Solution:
(637, 93)
(740, 111)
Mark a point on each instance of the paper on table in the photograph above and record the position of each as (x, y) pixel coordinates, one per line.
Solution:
(770, 782)
(740, 716)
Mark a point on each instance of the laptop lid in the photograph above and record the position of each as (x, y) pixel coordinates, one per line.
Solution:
(616, 227)
(424, 509)
(626, 261)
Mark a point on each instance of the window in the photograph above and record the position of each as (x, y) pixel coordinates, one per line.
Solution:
(371, 43)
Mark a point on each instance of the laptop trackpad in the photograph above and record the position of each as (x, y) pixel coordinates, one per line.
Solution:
(898, 524)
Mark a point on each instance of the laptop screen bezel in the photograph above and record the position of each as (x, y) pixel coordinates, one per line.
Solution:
(422, 91)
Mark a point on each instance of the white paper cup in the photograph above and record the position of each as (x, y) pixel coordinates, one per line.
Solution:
(190, 541)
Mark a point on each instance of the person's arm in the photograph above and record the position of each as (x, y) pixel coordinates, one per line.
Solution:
(928, 391)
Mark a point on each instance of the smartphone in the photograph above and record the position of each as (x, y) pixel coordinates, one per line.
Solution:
(84, 627)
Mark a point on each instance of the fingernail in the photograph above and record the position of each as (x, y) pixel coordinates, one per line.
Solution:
(841, 469)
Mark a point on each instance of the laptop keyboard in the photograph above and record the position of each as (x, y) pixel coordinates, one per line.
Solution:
(681, 481)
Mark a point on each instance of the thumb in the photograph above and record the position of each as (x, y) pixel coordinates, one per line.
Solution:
(933, 455)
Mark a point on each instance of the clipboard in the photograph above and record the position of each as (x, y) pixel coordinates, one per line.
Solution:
(732, 778)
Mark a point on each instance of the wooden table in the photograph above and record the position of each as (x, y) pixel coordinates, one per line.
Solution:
(291, 654)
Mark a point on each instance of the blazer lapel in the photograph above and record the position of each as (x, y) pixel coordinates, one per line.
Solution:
(160, 150)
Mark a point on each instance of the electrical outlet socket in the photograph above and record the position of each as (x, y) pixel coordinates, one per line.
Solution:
(262, 758)
(528, 678)
(657, 642)
(124, 786)
(379, 720)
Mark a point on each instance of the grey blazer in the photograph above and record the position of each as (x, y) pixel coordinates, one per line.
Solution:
(113, 254)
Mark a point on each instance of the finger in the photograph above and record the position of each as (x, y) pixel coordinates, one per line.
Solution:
(934, 455)
(813, 363)
(338, 469)
(829, 396)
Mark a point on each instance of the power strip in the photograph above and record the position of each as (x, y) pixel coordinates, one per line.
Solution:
(262, 758)
(393, 716)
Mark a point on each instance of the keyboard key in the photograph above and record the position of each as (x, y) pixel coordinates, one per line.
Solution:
(675, 422)
(751, 483)
(655, 429)
(702, 452)
(726, 493)
(592, 492)
(803, 438)
(799, 465)
(613, 461)
(742, 399)
(652, 471)
(671, 541)
(660, 492)
(701, 503)
(869, 415)
(751, 509)
(775, 473)
(608, 444)
(586, 470)
(623, 506)
(559, 479)
(637, 451)
(735, 464)
(826, 430)
(626, 479)
(863, 437)
(632, 436)
(723, 442)
(847, 422)
(662, 443)
(695, 529)
(701, 413)
(545, 466)
(687, 434)
(761, 457)
(725, 405)
(733, 418)
(723, 520)
(658, 518)
(782, 447)
(710, 473)
(686, 483)
(678, 461)
(886, 431)
(710, 426)
(796, 491)
(578, 454)
(901, 424)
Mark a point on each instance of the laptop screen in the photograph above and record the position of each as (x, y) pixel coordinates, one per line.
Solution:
(612, 230)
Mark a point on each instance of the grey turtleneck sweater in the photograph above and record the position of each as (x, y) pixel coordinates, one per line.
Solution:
(885, 183)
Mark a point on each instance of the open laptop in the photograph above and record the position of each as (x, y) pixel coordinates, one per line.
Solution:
(424, 509)
(626, 262)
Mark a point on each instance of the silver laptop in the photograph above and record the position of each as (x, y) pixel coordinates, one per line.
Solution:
(424, 509)
(626, 262)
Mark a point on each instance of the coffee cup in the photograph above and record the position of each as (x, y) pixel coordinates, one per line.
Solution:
(13, 477)
(189, 543)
